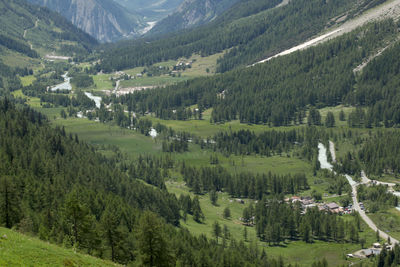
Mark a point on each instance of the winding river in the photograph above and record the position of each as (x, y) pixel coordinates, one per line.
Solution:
(66, 85)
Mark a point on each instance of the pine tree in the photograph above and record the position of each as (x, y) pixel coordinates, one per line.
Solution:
(330, 120)
(227, 213)
(109, 224)
(216, 230)
(214, 197)
(9, 202)
(152, 244)
(198, 215)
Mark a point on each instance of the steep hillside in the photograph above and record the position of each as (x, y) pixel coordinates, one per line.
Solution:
(30, 31)
(280, 91)
(103, 19)
(192, 13)
(64, 191)
(251, 29)
(39, 253)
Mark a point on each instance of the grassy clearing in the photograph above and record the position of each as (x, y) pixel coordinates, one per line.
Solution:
(214, 213)
(336, 111)
(152, 81)
(202, 66)
(21, 250)
(279, 164)
(98, 133)
(14, 59)
(27, 80)
(33, 102)
(388, 221)
(206, 129)
(102, 82)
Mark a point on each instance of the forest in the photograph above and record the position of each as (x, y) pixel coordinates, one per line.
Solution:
(62, 190)
(248, 27)
(279, 93)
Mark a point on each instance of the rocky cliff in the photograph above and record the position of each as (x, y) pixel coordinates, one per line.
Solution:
(192, 13)
(103, 19)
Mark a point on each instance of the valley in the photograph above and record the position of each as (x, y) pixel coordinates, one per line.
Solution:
(109, 150)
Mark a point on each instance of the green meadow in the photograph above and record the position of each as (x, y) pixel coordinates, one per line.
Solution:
(40, 253)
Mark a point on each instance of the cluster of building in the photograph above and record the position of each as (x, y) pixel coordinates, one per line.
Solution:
(308, 202)
(375, 250)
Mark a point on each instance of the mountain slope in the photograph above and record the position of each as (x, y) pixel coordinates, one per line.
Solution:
(31, 31)
(39, 253)
(251, 29)
(192, 13)
(154, 10)
(103, 19)
(280, 91)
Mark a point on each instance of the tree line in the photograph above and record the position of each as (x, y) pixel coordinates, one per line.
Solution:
(244, 184)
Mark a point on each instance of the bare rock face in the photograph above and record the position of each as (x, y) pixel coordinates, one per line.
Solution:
(193, 13)
(103, 19)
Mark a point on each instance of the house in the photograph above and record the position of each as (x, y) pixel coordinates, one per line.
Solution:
(332, 207)
(369, 252)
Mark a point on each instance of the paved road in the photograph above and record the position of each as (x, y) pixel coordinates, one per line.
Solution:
(354, 185)
(364, 216)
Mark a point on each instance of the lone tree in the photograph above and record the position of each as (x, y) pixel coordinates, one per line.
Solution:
(214, 197)
(227, 213)
(216, 230)
(198, 215)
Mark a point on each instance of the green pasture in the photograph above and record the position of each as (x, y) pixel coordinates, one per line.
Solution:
(21, 250)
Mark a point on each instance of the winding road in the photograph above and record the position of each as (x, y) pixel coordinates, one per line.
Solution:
(364, 180)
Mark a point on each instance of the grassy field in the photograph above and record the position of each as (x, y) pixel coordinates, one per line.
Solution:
(201, 66)
(33, 102)
(20, 250)
(206, 129)
(102, 82)
(152, 81)
(251, 163)
(97, 133)
(336, 111)
(27, 80)
(388, 221)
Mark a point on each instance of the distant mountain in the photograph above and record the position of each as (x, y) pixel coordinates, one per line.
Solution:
(192, 13)
(103, 19)
(153, 10)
